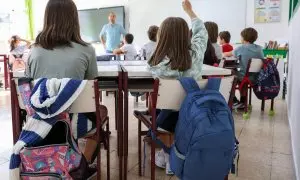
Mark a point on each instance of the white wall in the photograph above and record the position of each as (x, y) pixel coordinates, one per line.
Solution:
(143, 13)
(140, 14)
(18, 22)
(40, 5)
(294, 89)
(269, 31)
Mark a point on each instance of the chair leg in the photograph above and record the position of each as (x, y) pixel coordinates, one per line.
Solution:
(272, 105)
(108, 151)
(100, 94)
(147, 99)
(250, 96)
(226, 177)
(140, 147)
(116, 110)
(246, 103)
(263, 105)
(99, 165)
(137, 99)
(152, 160)
(271, 112)
(246, 113)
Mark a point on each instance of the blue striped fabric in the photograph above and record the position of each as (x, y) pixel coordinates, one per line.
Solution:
(37, 128)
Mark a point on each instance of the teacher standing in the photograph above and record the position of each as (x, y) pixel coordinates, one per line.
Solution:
(110, 34)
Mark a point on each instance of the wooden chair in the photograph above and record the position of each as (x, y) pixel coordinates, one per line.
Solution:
(254, 66)
(89, 97)
(4, 59)
(162, 98)
(229, 63)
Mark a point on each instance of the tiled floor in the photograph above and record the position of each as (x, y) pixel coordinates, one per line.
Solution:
(265, 145)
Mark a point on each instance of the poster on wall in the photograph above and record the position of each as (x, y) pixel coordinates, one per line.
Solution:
(267, 11)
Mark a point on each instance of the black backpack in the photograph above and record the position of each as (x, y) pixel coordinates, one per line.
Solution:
(268, 82)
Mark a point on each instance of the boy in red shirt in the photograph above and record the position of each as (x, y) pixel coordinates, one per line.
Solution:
(224, 39)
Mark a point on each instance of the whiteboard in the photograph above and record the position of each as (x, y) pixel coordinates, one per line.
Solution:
(228, 14)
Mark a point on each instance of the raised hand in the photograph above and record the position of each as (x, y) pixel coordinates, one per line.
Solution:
(187, 6)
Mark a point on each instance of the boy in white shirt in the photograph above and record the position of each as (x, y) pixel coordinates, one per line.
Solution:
(148, 49)
(127, 49)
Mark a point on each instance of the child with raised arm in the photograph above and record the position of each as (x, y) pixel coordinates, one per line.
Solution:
(176, 55)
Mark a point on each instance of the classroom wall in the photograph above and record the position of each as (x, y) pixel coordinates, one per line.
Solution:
(269, 31)
(142, 13)
(40, 5)
(293, 96)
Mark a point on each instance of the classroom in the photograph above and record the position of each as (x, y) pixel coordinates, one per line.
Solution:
(149, 89)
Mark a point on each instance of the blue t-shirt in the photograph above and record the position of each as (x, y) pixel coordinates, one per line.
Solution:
(247, 52)
(112, 33)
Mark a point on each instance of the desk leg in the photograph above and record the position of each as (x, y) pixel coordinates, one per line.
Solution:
(125, 85)
(13, 115)
(116, 109)
(6, 73)
(120, 131)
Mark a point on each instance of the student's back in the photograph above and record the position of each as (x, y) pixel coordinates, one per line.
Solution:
(77, 62)
(148, 49)
(247, 52)
(210, 57)
(177, 54)
(213, 30)
(59, 51)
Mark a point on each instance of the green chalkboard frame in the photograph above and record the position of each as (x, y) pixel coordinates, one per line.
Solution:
(294, 6)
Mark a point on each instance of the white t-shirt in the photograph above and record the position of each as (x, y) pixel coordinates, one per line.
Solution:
(129, 51)
(147, 50)
(19, 50)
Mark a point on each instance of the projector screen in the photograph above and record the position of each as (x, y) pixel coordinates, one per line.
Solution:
(92, 20)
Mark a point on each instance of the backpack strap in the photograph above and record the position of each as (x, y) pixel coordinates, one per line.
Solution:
(213, 84)
(189, 84)
(159, 142)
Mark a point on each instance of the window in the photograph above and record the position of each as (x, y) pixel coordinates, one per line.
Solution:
(13, 19)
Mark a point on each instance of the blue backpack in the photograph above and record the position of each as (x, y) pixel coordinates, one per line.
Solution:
(204, 146)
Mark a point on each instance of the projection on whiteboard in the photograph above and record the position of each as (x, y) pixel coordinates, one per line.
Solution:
(92, 20)
(267, 11)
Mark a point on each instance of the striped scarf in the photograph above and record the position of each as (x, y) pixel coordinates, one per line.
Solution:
(50, 99)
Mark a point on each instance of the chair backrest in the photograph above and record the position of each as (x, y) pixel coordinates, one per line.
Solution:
(84, 103)
(171, 94)
(222, 63)
(255, 65)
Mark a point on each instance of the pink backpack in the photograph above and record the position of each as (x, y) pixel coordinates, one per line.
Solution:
(57, 156)
(17, 63)
(54, 158)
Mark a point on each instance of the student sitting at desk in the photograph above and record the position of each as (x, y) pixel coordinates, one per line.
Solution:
(61, 53)
(128, 48)
(247, 51)
(148, 49)
(17, 50)
(213, 32)
(177, 55)
(210, 57)
(224, 40)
